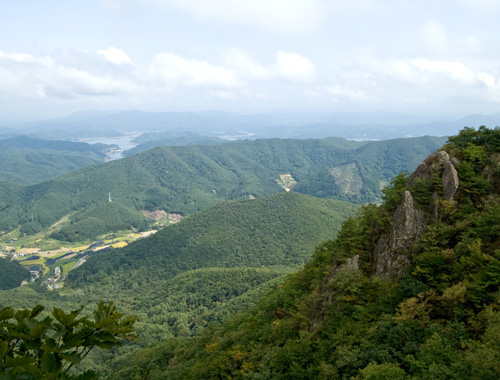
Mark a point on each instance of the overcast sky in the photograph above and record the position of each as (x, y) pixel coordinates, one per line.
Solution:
(426, 56)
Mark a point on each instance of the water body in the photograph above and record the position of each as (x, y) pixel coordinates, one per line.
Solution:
(124, 143)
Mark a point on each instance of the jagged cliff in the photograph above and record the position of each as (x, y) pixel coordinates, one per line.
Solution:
(408, 290)
(393, 253)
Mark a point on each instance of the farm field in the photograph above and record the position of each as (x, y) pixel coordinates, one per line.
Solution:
(41, 256)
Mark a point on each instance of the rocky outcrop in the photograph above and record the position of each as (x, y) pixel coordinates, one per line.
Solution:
(450, 180)
(441, 163)
(392, 253)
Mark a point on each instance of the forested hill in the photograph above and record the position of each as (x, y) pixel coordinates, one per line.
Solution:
(408, 290)
(204, 268)
(152, 139)
(11, 274)
(26, 160)
(192, 178)
(280, 230)
(27, 142)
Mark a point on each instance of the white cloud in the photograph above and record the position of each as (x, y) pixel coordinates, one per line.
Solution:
(289, 66)
(79, 75)
(64, 82)
(115, 55)
(340, 93)
(223, 94)
(246, 66)
(482, 3)
(362, 77)
(25, 58)
(436, 42)
(436, 72)
(435, 37)
(287, 16)
(174, 70)
(295, 68)
(43, 77)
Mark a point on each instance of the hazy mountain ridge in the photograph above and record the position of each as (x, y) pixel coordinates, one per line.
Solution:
(290, 124)
(27, 160)
(150, 140)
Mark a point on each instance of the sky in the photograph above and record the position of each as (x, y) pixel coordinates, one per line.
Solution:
(418, 57)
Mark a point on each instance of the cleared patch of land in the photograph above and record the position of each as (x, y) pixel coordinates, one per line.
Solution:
(287, 182)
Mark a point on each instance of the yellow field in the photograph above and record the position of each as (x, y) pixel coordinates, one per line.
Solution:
(120, 244)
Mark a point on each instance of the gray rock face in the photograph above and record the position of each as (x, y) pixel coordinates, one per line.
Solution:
(393, 250)
(450, 180)
(438, 162)
(392, 253)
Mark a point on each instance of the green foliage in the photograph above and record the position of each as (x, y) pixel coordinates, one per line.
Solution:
(201, 270)
(37, 347)
(488, 138)
(384, 371)
(392, 194)
(100, 219)
(191, 178)
(31, 228)
(421, 192)
(334, 319)
(280, 230)
(28, 161)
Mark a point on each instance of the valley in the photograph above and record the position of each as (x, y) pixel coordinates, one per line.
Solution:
(187, 179)
(409, 289)
(202, 269)
(186, 237)
(42, 259)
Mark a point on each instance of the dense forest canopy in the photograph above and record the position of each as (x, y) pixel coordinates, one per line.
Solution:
(11, 274)
(189, 179)
(203, 269)
(27, 160)
(408, 290)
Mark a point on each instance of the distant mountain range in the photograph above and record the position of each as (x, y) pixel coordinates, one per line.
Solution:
(360, 126)
(188, 179)
(28, 160)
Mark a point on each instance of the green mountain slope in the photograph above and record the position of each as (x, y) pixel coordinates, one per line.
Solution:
(280, 230)
(99, 219)
(205, 268)
(26, 161)
(192, 178)
(12, 196)
(408, 290)
(11, 274)
(152, 139)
